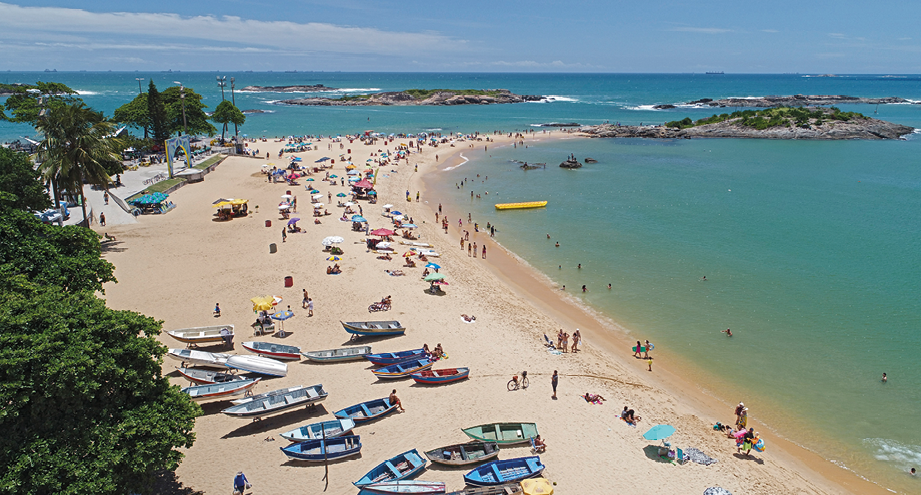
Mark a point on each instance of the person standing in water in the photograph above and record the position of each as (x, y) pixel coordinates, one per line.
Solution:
(728, 332)
(885, 378)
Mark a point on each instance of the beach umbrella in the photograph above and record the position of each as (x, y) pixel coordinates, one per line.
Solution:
(359, 218)
(382, 232)
(439, 282)
(659, 432)
(316, 196)
(387, 206)
(432, 277)
(334, 176)
(394, 212)
(433, 266)
(334, 258)
(353, 179)
(284, 207)
(264, 165)
(398, 217)
(409, 225)
(262, 303)
(536, 486)
(293, 221)
(310, 179)
(348, 203)
(282, 316)
(313, 191)
(352, 172)
(341, 195)
(286, 196)
(716, 490)
(329, 241)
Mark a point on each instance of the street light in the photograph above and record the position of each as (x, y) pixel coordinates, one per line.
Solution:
(236, 131)
(139, 79)
(188, 159)
(221, 83)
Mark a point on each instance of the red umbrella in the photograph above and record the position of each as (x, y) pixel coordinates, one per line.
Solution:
(382, 232)
(363, 184)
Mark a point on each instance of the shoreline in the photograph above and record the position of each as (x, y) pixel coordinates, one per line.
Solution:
(538, 289)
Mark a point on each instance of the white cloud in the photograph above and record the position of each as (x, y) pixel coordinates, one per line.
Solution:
(702, 30)
(769, 31)
(73, 26)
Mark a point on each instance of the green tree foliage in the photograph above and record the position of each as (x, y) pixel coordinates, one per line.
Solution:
(227, 113)
(34, 255)
(22, 181)
(196, 118)
(85, 408)
(156, 111)
(24, 105)
(774, 117)
(77, 145)
(134, 114)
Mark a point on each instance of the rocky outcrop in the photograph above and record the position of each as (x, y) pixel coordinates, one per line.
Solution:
(590, 160)
(857, 128)
(559, 124)
(289, 89)
(789, 101)
(446, 97)
(571, 162)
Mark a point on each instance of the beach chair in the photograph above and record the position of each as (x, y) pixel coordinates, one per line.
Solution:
(679, 456)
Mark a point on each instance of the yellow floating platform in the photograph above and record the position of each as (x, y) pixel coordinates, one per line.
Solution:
(519, 206)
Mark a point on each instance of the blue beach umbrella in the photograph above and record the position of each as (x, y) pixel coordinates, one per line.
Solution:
(310, 179)
(433, 266)
(282, 316)
(341, 195)
(396, 212)
(658, 432)
(358, 218)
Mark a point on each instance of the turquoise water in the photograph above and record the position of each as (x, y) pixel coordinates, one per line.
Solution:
(811, 249)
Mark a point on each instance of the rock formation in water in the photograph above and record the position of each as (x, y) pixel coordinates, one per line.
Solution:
(420, 97)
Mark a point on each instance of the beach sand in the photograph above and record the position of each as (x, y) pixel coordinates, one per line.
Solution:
(174, 268)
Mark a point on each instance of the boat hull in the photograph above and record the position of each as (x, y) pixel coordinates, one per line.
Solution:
(200, 358)
(503, 433)
(435, 377)
(464, 454)
(277, 401)
(404, 466)
(402, 370)
(388, 358)
(324, 449)
(316, 431)
(404, 486)
(371, 328)
(366, 411)
(521, 206)
(256, 364)
(219, 390)
(338, 355)
(201, 335)
(203, 377)
(275, 351)
(505, 471)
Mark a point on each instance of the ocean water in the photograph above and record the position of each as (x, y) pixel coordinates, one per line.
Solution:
(811, 249)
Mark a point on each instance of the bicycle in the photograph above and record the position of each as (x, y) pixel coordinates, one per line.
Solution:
(515, 383)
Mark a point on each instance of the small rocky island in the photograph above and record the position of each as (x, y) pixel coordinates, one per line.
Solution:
(774, 123)
(289, 89)
(421, 97)
(788, 101)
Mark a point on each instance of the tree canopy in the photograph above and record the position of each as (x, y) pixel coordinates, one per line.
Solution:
(156, 112)
(85, 408)
(227, 113)
(24, 105)
(22, 181)
(134, 114)
(196, 118)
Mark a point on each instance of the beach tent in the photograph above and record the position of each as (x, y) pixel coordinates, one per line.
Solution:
(536, 486)
(363, 184)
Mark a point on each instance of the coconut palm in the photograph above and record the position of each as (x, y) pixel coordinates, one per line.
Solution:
(78, 141)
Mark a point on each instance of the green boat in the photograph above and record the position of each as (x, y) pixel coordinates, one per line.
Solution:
(503, 433)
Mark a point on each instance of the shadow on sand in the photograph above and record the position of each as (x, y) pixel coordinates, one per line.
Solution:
(254, 427)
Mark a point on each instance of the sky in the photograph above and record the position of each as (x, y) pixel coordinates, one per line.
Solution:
(844, 37)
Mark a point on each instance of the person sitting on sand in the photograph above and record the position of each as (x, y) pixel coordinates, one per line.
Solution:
(438, 353)
(385, 257)
(109, 237)
(422, 258)
(410, 263)
(395, 401)
(468, 319)
(539, 445)
(593, 398)
(425, 273)
(426, 351)
(316, 221)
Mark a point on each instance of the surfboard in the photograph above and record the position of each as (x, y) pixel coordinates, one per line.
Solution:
(643, 348)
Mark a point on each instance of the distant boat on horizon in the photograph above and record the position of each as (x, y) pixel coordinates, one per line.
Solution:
(51, 70)
(714, 72)
(290, 72)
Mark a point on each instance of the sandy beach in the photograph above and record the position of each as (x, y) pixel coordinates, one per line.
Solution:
(175, 267)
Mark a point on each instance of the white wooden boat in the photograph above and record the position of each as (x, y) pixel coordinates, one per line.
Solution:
(336, 355)
(199, 358)
(315, 431)
(257, 364)
(207, 377)
(424, 251)
(273, 350)
(416, 244)
(201, 335)
(220, 390)
(280, 391)
(279, 402)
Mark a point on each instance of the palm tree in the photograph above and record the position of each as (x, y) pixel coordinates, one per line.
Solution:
(78, 141)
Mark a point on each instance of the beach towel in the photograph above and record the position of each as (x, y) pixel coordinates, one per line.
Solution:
(629, 423)
(594, 399)
(698, 457)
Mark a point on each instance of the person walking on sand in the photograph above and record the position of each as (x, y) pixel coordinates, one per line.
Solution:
(637, 349)
(484, 251)
(284, 235)
(102, 219)
(217, 310)
(105, 197)
(240, 483)
(309, 307)
(395, 401)
(304, 301)
(554, 380)
(646, 355)
(649, 362)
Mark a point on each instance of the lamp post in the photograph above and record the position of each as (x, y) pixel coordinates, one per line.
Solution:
(221, 83)
(185, 130)
(139, 79)
(236, 131)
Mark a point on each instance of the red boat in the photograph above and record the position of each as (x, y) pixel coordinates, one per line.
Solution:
(438, 377)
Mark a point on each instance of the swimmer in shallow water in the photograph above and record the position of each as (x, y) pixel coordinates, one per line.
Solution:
(728, 332)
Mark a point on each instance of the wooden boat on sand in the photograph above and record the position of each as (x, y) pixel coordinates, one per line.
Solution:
(257, 364)
(199, 358)
(414, 487)
(367, 411)
(329, 429)
(202, 335)
(464, 454)
(385, 358)
(505, 471)
(324, 449)
(438, 377)
(278, 400)
(373, 328)
(507, 489)
(220, 390)
(337, 355)
(272, 350)
(402, 370)
(405, 465)
(208, 377)
(503, 433)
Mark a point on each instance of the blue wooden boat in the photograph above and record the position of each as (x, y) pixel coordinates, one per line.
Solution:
(367, 411)
(388, 358)
(373, 328)
(314, 431)
(402, 370)
(438, 377)
(320, 450)
(415, 487)
(505, 471)
(403, 466)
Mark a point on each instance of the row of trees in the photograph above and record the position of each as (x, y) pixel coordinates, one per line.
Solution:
(85, 408)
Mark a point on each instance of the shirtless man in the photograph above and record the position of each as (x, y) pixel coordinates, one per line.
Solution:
(395, 401)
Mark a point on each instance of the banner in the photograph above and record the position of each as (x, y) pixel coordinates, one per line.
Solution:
(173, 147)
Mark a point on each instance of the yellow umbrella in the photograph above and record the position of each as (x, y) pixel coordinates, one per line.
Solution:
(262, 303)
(238, 202)
(350, 167)
(223, 204)
(537, 486)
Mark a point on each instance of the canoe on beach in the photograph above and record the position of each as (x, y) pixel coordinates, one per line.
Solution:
(265, 395)
(367, 411)
(402, 369)
(507, 489)
(385, 358)
(373, 328)
(464, 453)
(438, 377)
(322, 449)
(415, 487)
(503, 433)
(199, 358)
(201, 335)
(272, 350)
(208, 377)
(405, 465)
(257, 364)
(505, 471)
(278, 401)
(220, 390)
(329, 429)
(336, 355)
